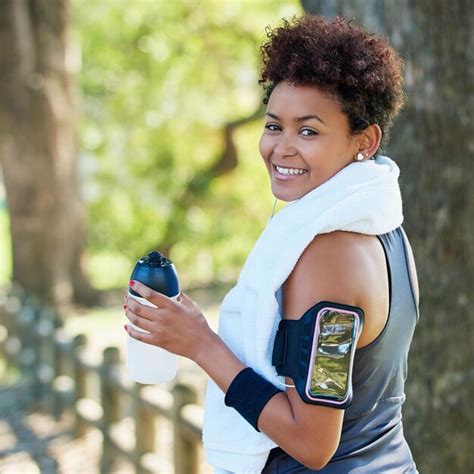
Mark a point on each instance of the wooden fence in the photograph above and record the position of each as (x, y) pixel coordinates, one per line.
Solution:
(60, 366)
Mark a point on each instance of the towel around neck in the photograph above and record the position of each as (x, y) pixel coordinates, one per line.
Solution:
(362, 197)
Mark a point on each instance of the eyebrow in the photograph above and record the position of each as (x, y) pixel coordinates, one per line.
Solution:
(299, 119)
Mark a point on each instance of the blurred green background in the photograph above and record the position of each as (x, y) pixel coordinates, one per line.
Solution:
(168, 122)
(158, 83)
(158, 86)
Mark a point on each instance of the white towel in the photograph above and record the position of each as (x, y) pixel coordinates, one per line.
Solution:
(362, 197)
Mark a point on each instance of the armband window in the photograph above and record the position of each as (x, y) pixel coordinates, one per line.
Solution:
(317, 351)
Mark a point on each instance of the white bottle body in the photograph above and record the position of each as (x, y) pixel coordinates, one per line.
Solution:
(148, 364)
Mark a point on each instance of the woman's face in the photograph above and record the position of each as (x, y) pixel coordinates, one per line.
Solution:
(305, 141)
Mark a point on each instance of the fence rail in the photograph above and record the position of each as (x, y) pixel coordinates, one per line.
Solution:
(60, 366)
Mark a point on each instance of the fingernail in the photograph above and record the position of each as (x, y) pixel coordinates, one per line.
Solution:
(125, 327)
(125, 306)
(131, 283)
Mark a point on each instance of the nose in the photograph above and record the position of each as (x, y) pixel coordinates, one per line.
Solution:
(284, 147)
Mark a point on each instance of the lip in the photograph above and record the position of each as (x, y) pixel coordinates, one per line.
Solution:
(285, 177)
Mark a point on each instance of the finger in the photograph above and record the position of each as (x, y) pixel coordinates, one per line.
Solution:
(139, 335)
(138, 321)
(141, 309)
(184, 298)
(158, 299)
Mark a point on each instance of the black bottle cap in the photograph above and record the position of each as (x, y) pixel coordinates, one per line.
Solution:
(154, 259)
(157, 272)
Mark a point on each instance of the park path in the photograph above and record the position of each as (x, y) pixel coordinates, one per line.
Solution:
(34, 442)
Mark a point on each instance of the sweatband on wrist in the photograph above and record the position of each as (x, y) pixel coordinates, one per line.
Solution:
(248, 393)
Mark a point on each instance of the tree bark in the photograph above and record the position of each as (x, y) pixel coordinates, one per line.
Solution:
(38, 149)
(433, 143)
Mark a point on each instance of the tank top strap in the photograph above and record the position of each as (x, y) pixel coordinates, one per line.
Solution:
(400, 279)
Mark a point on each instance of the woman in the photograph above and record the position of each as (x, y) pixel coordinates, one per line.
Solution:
(332, 91)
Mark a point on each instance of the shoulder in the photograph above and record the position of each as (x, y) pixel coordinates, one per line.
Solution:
(338, 266)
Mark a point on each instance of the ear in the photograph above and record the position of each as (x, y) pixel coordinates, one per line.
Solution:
(369, 140)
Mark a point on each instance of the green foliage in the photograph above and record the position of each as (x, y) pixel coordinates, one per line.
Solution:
(159, 81)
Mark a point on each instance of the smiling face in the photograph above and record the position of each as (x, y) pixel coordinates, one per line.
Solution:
(305, 141)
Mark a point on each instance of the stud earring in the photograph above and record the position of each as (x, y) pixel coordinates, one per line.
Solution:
(360, 156)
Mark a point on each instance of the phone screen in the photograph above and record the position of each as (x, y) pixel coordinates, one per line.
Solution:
(336, 335)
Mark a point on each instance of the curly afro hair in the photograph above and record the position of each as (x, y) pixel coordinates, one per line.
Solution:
(362, 71)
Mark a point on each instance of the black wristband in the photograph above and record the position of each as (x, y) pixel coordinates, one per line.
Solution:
(248, 394)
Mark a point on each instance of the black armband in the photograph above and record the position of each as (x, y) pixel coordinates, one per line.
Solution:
(248, 394)
(317, 351)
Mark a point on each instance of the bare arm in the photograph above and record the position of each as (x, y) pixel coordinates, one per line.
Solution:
(330, 269)
(334, 268)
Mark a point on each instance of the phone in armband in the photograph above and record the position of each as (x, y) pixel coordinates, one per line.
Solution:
(317, 351)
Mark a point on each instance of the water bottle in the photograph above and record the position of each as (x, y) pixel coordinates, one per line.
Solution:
(148, 364)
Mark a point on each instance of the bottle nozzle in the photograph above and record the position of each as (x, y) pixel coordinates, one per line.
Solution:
(155, 256)
(155, 259)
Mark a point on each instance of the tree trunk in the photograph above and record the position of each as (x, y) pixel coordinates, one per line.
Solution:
(38, 149)
(433, 143)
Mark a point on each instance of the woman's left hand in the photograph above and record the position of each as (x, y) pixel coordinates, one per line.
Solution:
(175, 325)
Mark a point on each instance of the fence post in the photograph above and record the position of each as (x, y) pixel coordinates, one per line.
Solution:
(12, 343)
(110, 401)
(3, 332)
(3, 353)
(80, 381)
(45, 331)
(60, 339)
(26, 321)
(186, 451)
(63, 384)
(144, 429)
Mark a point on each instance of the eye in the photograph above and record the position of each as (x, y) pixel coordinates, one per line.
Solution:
(273, 127)
(308, 132)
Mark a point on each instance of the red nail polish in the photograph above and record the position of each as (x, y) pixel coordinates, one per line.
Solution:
(125, 306)
(131, 283)
(125, 327)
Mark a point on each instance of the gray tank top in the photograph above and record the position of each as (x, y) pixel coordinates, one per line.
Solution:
(372, 439)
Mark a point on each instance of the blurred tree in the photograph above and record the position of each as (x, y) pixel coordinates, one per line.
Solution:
(170, 103)
(433, 142)
(38, 149)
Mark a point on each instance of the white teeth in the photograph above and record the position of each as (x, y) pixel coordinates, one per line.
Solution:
(289, 171)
